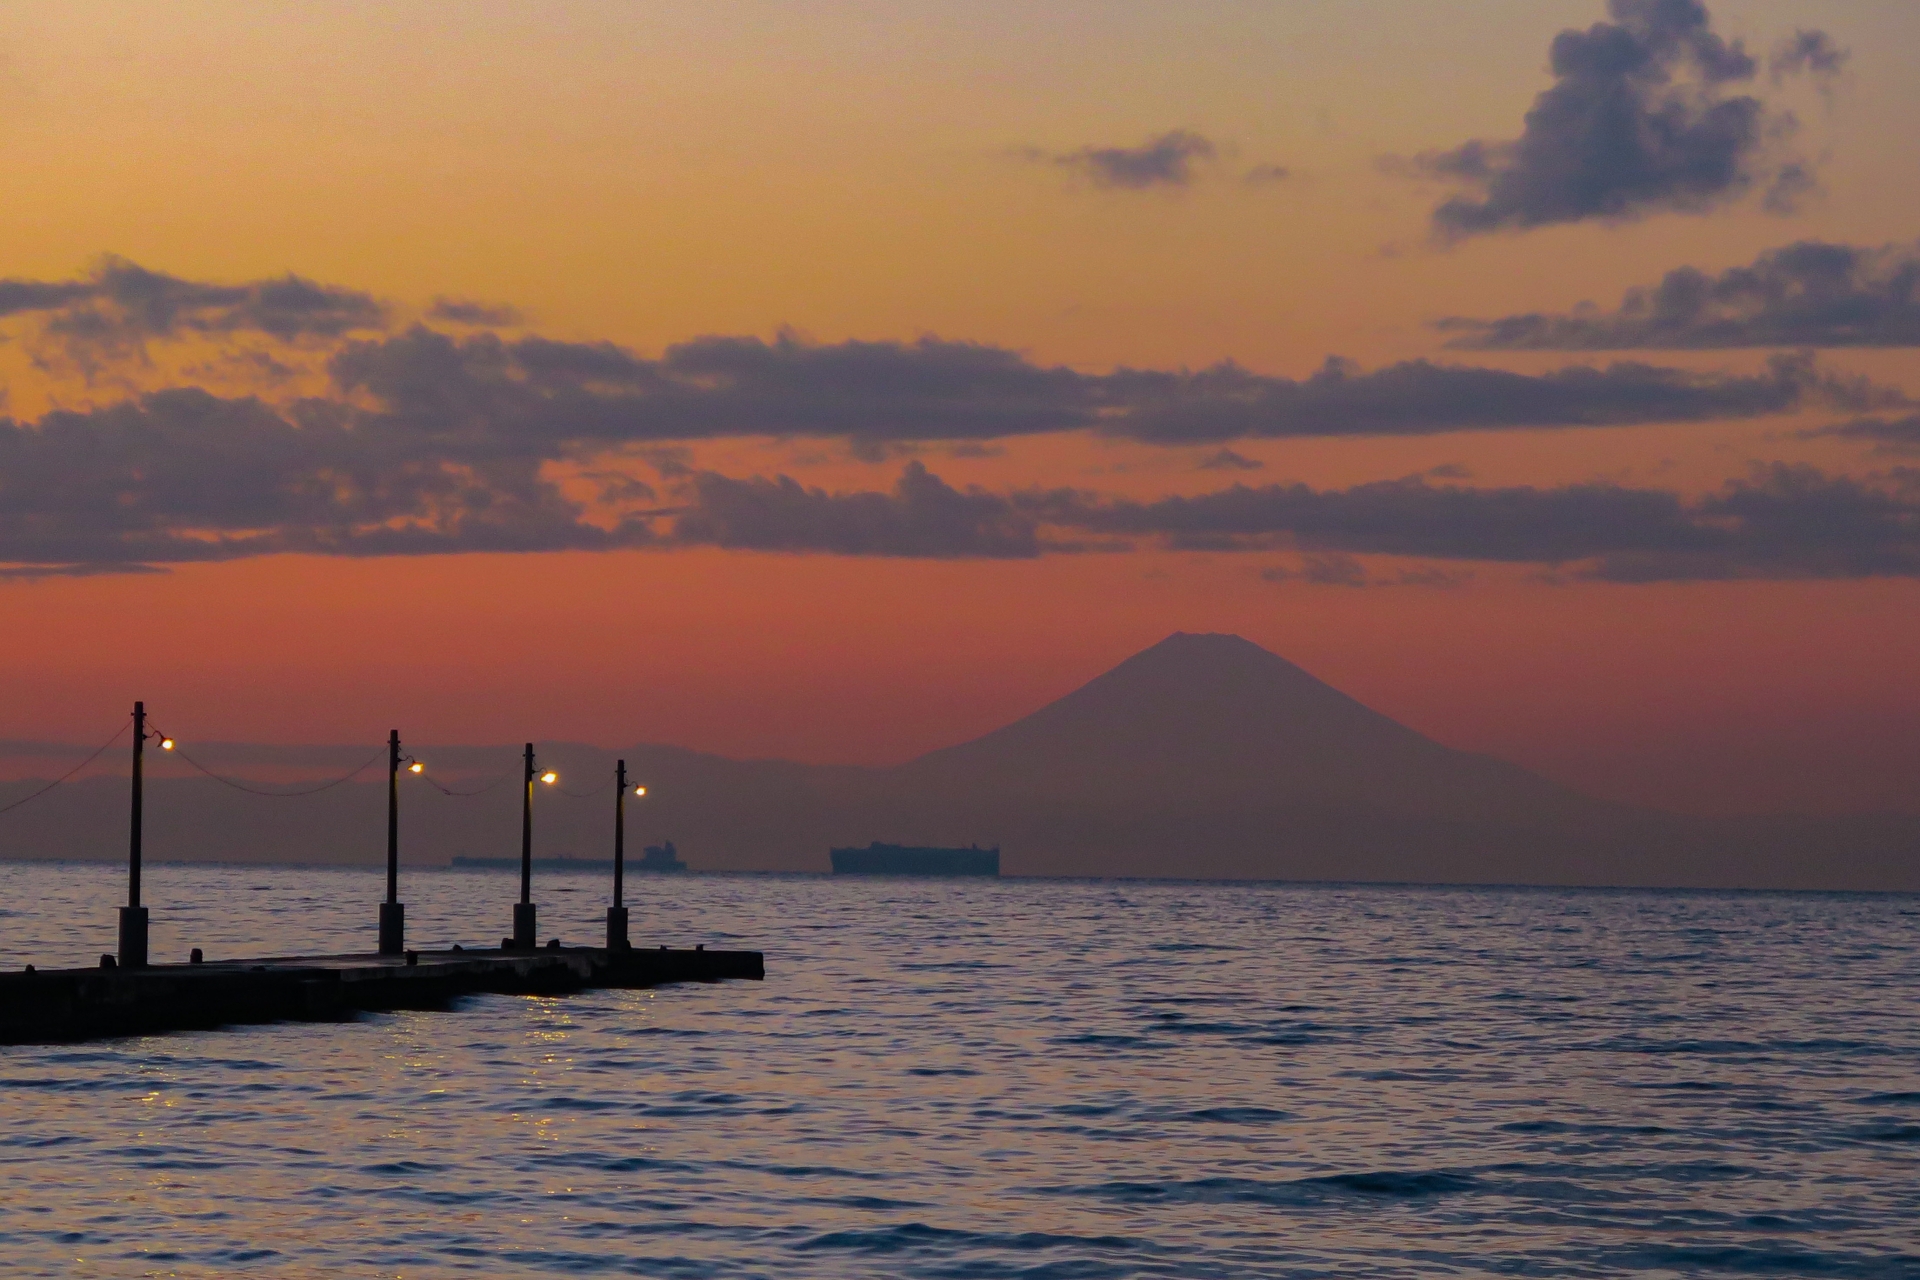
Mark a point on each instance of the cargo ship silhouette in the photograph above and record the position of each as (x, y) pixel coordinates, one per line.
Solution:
(915, 860)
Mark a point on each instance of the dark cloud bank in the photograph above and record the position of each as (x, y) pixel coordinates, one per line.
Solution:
(1779, 522)
(1639, 119)
(1808, 294)
(431, 443)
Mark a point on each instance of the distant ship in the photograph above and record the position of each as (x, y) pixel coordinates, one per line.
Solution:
(910, 860)
(661, 857)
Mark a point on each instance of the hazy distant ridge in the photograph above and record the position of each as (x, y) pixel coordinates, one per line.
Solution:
(1203, 756)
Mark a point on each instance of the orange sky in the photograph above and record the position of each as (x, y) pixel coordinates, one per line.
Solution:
(644, 174)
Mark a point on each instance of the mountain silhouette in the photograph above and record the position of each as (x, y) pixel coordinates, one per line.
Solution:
(1203, 756)
(1219, 719)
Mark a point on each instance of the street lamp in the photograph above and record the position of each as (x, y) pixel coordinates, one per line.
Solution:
(617, 913)
(133, 917)
(393, 912)
(523, 910)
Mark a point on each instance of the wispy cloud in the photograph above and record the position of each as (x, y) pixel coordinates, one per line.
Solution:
(1228, 460)
(467, 311)
(1886, 435)
(1170, 160)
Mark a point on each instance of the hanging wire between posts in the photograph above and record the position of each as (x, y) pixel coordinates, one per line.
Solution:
(258, 791)
(433, 782)
(582, 795)
(69, 773)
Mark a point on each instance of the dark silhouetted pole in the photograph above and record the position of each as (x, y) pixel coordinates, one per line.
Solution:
(617, 913)
(393, 915)
(523, 914)
(133, 916)
(133, 846)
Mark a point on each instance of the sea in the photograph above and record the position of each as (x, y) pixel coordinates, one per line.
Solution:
(997, 1078)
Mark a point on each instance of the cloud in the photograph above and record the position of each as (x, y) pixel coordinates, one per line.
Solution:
(1791, 522)
(35, 572)
(535, 397)
(1808, 52)
(1887, 435)
(1340, 570)
(538, 394)
(120, 306)
(1228, 460)
(1428, 576)
(1807, 294)
(425, 442)
(1265, 174)
(1779, 522)
(480, 314)
(433, 444)
(1419, 397)
(184, 476)
(535, 393)
(1336, 570)
(1410, 517)
(1169, 160)
(922, 517)
(1638, 120)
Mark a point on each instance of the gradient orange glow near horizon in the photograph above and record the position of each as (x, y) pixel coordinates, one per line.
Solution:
(644, 174)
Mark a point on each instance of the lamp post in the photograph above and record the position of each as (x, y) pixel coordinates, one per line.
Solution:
(523, 911)
(392, 912)
(617, 913)
(133, 916)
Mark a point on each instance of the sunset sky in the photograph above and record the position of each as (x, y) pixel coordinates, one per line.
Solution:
(840, 381)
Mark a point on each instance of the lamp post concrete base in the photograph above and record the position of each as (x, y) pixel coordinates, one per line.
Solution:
(133, 937)
(523, 926)
(393, 928)
(617, 929)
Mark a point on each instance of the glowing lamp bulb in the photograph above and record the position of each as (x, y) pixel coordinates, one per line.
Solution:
(549, 776)
(416, 767)
(166, 744)
(639, 791)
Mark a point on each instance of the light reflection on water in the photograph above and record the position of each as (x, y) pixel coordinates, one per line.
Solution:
(983, 1079)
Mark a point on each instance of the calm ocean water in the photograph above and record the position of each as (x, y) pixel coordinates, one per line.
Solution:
(998, 1079)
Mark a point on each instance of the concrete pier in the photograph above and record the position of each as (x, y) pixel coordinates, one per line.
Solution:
(57, 1005)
